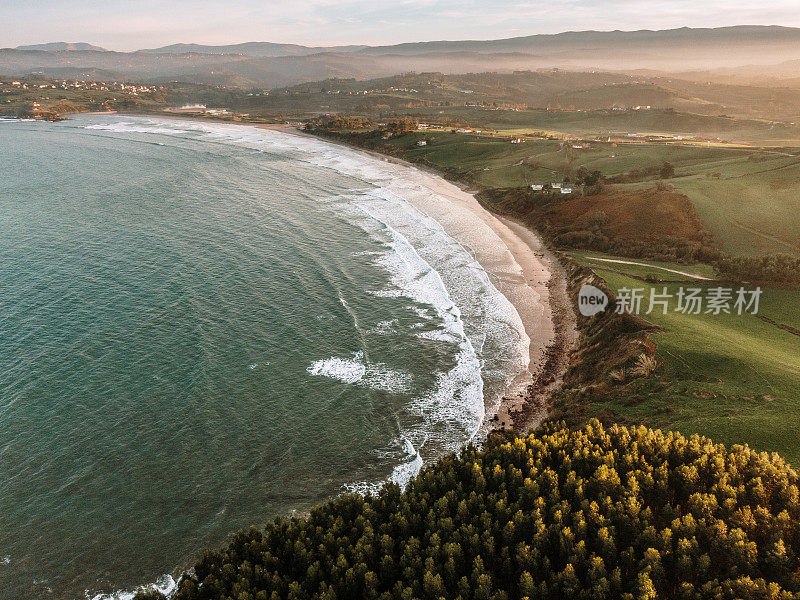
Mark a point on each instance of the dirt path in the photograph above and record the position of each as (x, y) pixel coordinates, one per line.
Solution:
(631, 262)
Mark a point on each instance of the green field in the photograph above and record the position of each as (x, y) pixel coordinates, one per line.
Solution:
(588, 124)
(495, 162)
(752, 207)
(749, 200)
(735, 378)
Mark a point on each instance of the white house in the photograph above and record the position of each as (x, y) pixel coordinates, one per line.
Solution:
(422, 143)
(537, 187)
(517, 140)
(555, 186)
(566, 190)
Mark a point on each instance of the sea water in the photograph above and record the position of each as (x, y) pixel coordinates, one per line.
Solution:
(204, 325)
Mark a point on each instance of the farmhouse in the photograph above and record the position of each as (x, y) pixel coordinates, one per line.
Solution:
(537, 187)
(517, 140)
(556, 186)
(422, 143)
(566, 190)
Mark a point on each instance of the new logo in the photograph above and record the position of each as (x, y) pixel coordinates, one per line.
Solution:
(591, 300)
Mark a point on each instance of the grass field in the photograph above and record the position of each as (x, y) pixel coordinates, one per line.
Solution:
(748, 200)
(735, 378)
(752, 207)
(605, 122)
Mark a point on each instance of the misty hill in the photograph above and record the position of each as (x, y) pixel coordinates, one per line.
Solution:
(546, 89)
(62, 47)
(262, 64)
(669, 50)
(261, 49)
(728, 38)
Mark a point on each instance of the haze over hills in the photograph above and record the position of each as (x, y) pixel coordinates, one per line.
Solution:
(264, 64)
(62, 47)
(263, 49)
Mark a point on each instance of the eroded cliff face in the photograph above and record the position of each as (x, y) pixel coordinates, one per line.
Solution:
(609, 344)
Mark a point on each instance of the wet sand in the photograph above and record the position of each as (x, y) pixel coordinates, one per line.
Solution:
(536, 288)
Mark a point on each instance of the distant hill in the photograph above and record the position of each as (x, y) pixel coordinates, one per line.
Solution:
(62, 47)
(556, 90)
(269, 65)
(90, 74)
(731, 37)
(261, 49)
(671, 49)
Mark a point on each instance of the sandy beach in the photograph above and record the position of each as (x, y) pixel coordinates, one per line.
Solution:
(536, 287)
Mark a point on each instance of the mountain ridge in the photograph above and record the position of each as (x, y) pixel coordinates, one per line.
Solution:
(272, 65)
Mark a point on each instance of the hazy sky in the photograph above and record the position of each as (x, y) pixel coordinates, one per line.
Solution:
(132, 24)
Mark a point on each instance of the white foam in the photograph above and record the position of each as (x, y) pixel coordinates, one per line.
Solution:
(406, 471)
(380, 376)
(410, 464)
(377, 376)
(130, 127)
(346, 370)
(384, 327)
(166, 584)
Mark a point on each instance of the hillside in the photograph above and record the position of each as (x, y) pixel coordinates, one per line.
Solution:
(591, 513)
(264, 64)
(571, 91)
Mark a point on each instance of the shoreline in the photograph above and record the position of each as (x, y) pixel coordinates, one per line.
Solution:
(546, 312)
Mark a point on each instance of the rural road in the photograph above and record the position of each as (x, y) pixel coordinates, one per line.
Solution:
(630, 262)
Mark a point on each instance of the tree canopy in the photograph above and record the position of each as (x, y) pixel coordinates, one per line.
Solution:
(596, 512)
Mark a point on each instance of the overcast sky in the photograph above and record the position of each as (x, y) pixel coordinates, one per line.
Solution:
(136, 24)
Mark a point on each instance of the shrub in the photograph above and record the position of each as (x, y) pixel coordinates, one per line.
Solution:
(645, 366)
(778, 269)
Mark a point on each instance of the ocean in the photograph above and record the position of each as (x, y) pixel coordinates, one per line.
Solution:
(204, 325)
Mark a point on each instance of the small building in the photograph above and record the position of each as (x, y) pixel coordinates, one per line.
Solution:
(537, 187)
(422, 143)
(566, 190)
(556, 186)
(464, 130)
(517, 140)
